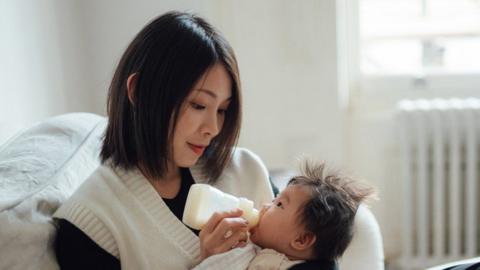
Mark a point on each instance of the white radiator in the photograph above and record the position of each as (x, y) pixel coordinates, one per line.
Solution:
(440, 145)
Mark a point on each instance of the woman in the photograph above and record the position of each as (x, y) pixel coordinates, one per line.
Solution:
(174, 112)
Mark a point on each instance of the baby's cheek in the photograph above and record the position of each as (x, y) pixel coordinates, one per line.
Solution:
(262, 228)
(255, 237)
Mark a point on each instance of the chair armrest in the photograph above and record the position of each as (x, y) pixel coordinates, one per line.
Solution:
(366, 249)
(452, 264)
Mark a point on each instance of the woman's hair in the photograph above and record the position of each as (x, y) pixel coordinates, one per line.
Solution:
(330, 211)
(168, 56)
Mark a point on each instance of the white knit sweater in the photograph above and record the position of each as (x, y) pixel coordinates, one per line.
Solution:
(123, 214)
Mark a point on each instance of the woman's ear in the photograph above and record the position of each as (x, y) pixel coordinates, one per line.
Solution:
(304, 241)
(131, 83)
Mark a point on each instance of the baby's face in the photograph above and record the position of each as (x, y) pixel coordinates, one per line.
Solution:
(279, 224)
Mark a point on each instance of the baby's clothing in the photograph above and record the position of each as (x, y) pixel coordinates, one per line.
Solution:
(269, 259)
(250, 257)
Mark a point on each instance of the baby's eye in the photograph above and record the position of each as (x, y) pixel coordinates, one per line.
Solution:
(279, 204)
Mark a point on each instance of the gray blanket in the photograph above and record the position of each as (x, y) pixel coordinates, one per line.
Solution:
(39, 169)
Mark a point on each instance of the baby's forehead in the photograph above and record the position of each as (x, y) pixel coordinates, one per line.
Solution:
(297, 187)
(296, 192)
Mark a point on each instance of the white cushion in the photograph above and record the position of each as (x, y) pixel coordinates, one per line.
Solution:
(39, 168)
(366, 250)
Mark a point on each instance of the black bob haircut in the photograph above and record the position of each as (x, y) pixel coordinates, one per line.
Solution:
(169, 55)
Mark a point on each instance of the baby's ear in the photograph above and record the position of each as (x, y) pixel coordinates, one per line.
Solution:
(304, 241)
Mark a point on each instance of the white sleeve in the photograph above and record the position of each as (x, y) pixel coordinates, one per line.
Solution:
(235, 259)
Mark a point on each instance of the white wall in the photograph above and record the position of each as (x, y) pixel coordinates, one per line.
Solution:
(42, 66)
(287, 57)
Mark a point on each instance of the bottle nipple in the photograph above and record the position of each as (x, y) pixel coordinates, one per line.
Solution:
(249, 213)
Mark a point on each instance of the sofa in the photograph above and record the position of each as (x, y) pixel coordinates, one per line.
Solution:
(41, 166)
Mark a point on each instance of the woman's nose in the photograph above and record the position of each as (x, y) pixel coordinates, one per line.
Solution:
(211, 126)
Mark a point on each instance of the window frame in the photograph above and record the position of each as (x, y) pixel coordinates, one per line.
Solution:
(397, 86)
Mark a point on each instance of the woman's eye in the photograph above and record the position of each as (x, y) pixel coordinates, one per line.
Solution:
(222, 111)
(197, 106)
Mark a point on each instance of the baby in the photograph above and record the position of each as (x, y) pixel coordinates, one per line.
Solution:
(309, 223)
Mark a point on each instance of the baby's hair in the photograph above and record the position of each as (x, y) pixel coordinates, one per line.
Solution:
(330, 212)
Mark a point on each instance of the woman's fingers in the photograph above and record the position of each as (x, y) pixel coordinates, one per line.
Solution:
(217, 217)
(228, 226)
(222, 232)
(238, 239)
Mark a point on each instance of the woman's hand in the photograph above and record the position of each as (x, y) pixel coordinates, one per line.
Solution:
(223, 231)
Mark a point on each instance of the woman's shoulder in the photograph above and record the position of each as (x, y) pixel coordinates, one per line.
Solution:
(243, 158)
(90, 196)
(96, 182)
(246, 165)
(97, 205)
(247, 176)
(106, 176)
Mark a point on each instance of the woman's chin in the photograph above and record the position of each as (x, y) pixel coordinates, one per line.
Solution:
(187, 163)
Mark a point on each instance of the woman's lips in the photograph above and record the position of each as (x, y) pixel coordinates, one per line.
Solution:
(197, 149)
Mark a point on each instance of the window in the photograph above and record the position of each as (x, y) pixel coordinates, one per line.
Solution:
(419, 37)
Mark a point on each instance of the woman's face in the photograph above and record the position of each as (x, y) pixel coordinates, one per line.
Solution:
(201, 116)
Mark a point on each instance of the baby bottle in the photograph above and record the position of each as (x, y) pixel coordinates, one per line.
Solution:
(203, 200)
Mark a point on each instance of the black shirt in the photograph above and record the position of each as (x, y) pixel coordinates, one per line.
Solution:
(177, 204)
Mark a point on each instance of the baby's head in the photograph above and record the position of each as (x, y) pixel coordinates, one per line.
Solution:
(313, 217)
